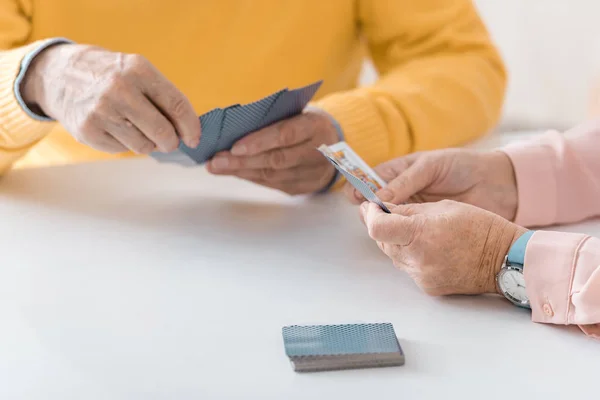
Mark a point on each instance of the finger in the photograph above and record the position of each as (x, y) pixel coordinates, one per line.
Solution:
(409, 183)
(389, 228)
(280, 158)
(408, 210)
(363, 212)
(352, 194)
(279, 176)
(131, 137)
(149, 120)
(103, 141)
(287, 133)
(174, 106)
(392, 168)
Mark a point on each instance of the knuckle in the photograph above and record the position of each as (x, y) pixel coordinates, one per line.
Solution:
(163, 132)
(103, 104)
(143, 147)
(377, 230)
(267, 174)
(87, 125)
(276, 159)
(115, 85)
(287, 135)
(164, 135)
(178, 106)
(136, 63)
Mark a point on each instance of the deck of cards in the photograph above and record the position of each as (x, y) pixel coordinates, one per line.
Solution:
(334, 347)
(356, 171)
(221, 128)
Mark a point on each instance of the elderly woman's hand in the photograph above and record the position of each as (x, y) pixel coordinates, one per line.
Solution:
(483, 179)
(445, 247)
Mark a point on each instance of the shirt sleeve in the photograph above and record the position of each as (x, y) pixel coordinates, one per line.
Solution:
(562, 275)
(441, 82)
(558, 176)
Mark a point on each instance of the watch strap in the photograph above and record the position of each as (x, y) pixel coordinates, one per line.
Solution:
(516, 254)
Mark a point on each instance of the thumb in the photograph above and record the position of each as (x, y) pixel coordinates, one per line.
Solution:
(387, 228)
(412, 181)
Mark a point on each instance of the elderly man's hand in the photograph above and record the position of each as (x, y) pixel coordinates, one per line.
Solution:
(486, 180)
(110, 101)
(445, 247)
(283, 155)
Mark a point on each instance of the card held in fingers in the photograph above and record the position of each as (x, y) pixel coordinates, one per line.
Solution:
(242, 120)
(357, 183)
(290, 103)
(332, 347)
(211, 124)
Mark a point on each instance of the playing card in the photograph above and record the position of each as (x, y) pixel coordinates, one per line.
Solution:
(211, 124)
(365, 182)
(329, 347)
(290, 103)
(175, 157)
(241, 120)
(347, 157)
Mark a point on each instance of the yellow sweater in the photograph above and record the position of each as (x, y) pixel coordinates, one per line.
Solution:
(441, 80)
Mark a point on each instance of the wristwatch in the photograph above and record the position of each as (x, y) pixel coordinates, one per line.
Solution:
(510, 279)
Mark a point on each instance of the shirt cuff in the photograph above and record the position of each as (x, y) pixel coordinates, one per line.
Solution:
(340, 134)
(548, 269)
(25, 64)
(536, 181)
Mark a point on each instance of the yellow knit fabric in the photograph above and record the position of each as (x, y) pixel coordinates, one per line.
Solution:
(441, 79)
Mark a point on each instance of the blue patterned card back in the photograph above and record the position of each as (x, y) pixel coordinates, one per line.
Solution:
(332, 340)
(290, 103)
(241, 120)
(211, 123)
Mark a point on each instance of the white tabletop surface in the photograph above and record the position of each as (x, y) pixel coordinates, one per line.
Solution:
(135, 280)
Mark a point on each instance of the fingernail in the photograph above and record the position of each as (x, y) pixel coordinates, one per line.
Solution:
(220, 163)
(364, 206)
(193, 143)
(239, 150)
(385, 195)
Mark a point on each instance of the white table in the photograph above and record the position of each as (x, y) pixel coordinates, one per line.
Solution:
(134, 280)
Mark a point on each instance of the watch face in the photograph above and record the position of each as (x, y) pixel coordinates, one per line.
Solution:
(512, 284)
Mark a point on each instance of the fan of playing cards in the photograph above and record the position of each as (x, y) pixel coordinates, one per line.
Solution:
(221, 128)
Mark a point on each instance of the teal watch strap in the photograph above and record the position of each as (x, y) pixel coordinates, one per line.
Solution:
(516, 254)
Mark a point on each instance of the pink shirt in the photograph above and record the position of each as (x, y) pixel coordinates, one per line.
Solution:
(558, 178)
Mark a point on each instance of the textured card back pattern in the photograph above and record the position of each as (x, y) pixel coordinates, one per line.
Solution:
(242, 120)
(329, 347)
(290, 103)
(211, 123)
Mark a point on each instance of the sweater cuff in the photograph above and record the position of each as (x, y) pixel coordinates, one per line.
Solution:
(17, 128)
(25, 64)
(337, 177)
(536, 183)
(360, 121)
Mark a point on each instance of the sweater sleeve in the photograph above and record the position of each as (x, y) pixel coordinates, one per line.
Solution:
(18, 130)
(442, 81)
